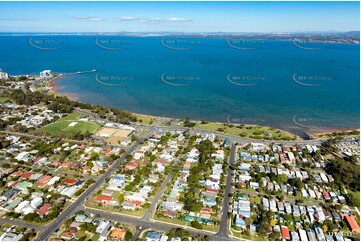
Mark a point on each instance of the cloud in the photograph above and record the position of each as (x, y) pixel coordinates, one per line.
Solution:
(164, 20)
(88, 18)
(125, 18)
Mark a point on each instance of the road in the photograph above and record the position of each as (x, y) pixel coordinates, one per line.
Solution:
(174, 127)
(230, 137)
(21, 224)
(223, 227)
(165, 227)
(160, 192)
(75, 206)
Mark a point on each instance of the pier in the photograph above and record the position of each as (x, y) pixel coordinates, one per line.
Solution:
(78, 72)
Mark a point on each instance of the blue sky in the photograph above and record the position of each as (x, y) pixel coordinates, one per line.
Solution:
(179, 16)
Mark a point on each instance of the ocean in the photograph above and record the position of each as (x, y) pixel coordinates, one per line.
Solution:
(292, 85)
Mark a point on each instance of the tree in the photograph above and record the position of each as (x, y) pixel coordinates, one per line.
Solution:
(121, 198)
(275, 236)
(249, 222)
(264, 228)
(282, 178)
(128, 236)
(272, 222)
(324, 228)
(196, 225)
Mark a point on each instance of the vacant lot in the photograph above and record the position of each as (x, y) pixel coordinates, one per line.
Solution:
(114, 135)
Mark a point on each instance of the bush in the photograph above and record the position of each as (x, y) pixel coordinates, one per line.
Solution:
(196, 225)
(128, 236)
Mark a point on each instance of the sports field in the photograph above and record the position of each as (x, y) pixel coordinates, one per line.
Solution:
(70, 125)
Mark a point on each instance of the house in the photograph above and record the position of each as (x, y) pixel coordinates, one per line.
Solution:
(295, 236)
(45, 74)
(319, 233)
(69, 191)
(240, 221)
(11, 236)
(303, 235)
(69, 181)
(44, 210)
(352, 223)
(105, 200)
(170, 214)
(68, 235)
(129, 205)
(285, 233)
(118, 234)
(326, 196)
(101, 226)
(26, 175)
(153, 236)
(311, 235)
(104, 234)
(336, 216)
(116, 183)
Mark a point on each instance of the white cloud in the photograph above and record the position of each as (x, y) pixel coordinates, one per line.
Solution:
(125, 18)
(89, 18)
(164, 20)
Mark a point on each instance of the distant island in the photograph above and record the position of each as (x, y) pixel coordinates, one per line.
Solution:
(313, 36)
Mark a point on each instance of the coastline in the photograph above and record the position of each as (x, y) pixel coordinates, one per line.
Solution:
(314, 134)
(53, 88)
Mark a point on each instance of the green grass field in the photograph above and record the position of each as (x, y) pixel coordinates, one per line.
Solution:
(355, 194)
(61, 126)
(248, 131)
(145, 119)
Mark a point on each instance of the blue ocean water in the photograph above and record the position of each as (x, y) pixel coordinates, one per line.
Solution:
(265, 82)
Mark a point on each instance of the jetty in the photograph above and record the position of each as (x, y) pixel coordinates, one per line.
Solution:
(78, 72)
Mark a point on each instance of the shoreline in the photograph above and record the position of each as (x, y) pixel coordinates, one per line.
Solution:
(53, 88)
(314, 134)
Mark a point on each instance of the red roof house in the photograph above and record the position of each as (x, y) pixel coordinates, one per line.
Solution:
(103, 199)
(26, 175)
(70, 181)
(352, 223)
(43, 210)
(285, 233)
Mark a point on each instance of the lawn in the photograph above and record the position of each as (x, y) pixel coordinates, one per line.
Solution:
(356, 195)
(61, 126)
(248, 131)
(4, 99)
(95, 237)
(145, 119)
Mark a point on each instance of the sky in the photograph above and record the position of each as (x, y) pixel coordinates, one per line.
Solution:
(179, 16)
